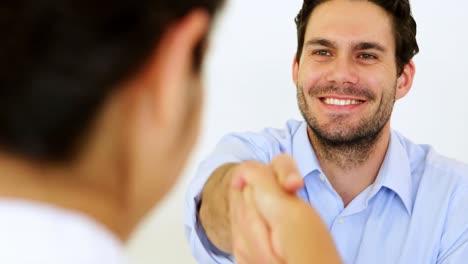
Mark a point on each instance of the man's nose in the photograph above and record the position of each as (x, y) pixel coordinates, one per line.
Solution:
(342, 71)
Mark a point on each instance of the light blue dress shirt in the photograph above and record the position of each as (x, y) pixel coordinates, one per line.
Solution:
(416, 211)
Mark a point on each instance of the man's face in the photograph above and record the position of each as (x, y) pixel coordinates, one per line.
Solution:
(346, 78)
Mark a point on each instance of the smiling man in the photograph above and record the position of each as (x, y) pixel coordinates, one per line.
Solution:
(383, 198)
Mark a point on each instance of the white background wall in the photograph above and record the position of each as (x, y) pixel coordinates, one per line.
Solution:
(249, 86)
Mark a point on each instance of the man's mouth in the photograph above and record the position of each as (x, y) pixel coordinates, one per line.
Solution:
(341, 102)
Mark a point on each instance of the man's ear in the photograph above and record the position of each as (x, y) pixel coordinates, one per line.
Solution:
(295, 69)
(405, 81)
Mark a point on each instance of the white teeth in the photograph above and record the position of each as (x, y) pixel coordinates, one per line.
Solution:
(334, 101)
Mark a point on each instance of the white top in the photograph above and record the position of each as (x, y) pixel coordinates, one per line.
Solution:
(35, 233)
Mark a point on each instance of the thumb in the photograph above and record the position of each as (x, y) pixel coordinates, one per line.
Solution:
(287, 173)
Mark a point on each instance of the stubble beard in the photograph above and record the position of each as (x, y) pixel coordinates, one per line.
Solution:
(346, 146)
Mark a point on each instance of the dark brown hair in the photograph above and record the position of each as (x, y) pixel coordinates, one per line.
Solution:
(60, 59)
(404, 27)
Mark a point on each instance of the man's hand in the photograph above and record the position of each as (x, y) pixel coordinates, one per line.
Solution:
(216, 209)
(250, 233)
(291, 231)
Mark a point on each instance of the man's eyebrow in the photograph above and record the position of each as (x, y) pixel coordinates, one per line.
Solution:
(321, 42)
(369, 45)
(366, 45)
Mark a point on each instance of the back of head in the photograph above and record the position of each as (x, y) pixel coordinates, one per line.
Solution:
(75, 78)
(60, 60)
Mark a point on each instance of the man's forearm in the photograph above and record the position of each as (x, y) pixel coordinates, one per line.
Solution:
(214, 208)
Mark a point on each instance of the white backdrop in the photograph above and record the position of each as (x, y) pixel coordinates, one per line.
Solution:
(249, 86)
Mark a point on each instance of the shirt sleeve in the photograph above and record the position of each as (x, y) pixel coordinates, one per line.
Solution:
(454, 242)
(232, 148)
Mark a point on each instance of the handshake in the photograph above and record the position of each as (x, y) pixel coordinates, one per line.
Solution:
(250, 210)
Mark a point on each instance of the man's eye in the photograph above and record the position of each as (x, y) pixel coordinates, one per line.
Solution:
(367, 56)
(322, 53)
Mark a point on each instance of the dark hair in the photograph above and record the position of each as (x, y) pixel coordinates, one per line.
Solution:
(404, 27)
(60, 59)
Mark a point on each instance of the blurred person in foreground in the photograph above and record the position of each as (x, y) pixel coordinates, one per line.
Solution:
(100, 105)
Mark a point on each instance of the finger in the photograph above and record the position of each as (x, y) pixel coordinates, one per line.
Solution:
(238, 181)
(251, 238)
(239, 242)
(249, 229)
(259, 175)
(267, 192)
(260, 231)
(287, 172)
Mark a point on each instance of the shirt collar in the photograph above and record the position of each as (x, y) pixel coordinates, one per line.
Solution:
(303, 153)
(395, 172)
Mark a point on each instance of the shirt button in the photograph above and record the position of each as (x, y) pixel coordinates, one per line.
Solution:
(322, 177)
(340, 220)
